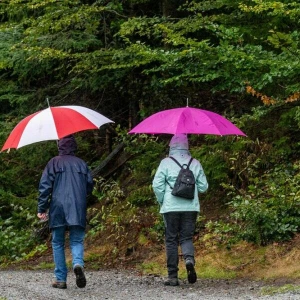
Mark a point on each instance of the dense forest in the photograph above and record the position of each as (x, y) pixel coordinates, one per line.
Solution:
(128, 59)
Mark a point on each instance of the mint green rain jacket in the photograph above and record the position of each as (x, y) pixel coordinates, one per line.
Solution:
(168, 170)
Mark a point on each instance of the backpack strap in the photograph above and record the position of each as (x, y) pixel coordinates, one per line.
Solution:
(181, 166)
(188, 166)
(169, 184)
(176, 161)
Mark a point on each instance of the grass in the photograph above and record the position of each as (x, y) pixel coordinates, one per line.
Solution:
(153, 268)
(208, 271)
(45, 266)
(282, 263)
(280, 290)
(243, 260)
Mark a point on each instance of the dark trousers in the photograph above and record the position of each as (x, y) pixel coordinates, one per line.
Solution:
(179, 230)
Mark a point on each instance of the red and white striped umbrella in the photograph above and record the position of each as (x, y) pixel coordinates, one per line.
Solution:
(53, 123)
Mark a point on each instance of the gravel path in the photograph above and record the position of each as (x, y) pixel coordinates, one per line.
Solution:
(124, 285)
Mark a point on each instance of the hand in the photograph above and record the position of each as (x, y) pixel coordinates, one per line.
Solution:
(43, 216)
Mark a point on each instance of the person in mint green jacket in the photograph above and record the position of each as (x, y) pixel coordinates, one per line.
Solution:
(179, 214)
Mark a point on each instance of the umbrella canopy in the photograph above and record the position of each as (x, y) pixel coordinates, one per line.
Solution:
(53, 123)
(187, 120)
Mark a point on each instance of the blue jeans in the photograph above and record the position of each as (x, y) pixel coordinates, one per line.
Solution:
(77, 234)
(179, 230)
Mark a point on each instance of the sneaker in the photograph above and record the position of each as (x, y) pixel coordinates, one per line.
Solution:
(171, 282)
(59, 285)
(191, 273)
(80, 278)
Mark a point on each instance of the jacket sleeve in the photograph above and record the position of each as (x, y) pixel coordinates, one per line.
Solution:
(159, 183)
(201, 181)
(45, 188)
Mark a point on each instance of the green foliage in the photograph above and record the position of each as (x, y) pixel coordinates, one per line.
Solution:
(108, 191)
(110, 195)
(141, 196)
(119, 212)
(131, 59)
(158, 229)
(26, 165)
(38, 250)
(269, 210)
(95, 221)
(211, 156)
(15, 234)
(113, 221)
(145, 147)
(215, 41)
(230, 160)
(89, 47)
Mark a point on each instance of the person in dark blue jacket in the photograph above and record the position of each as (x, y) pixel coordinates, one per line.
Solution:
(65, 183)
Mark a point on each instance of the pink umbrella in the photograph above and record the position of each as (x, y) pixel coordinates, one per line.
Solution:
(187, 120)
(53, 123)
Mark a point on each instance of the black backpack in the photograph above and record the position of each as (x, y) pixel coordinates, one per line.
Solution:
(185, 183)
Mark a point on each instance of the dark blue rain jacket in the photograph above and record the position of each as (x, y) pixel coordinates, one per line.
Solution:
(64, 186)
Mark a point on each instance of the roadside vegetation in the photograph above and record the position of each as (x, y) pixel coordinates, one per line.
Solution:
(129, 59)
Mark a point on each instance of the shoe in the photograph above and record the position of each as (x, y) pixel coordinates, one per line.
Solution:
(191, 273)
(171, 282)
(59, 285)
(80, 278)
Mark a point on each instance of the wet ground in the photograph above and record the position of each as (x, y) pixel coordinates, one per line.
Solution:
(125, 285)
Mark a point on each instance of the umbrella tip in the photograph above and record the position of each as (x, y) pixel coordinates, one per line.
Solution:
(187, 102)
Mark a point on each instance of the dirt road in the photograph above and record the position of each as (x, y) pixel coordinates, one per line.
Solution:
(125, 285)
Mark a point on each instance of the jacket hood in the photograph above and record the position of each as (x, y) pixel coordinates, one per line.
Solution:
(67, 145)
(179, 144)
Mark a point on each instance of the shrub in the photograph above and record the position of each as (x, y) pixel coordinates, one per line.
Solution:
(269, 210)
(16, 235)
